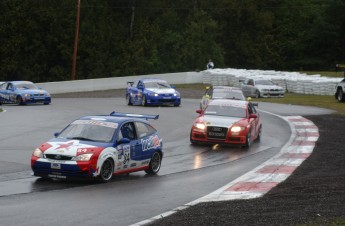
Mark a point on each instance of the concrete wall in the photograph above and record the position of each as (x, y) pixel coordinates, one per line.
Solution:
(116, 83)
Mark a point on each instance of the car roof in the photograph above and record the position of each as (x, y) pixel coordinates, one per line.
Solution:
(20, 82)
(229, 102)
(108, 118)
(152, 80)
(118, 117)
(226, 87)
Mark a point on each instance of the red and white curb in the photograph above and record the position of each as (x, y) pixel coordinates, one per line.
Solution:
(263, 178)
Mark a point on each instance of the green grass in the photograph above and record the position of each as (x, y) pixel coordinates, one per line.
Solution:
(330, 222)
(328, 102)
(197, 86)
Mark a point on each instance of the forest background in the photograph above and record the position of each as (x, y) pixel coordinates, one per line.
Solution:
(138, 37)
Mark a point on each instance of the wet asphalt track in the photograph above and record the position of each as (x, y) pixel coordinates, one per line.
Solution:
(187, 172)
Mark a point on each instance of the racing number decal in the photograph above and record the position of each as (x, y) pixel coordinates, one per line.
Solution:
(126, 158)
(126, 154)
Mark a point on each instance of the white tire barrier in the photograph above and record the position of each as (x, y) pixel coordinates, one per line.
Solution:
(293, 82)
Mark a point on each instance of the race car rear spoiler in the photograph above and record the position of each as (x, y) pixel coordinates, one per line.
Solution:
(130, 115)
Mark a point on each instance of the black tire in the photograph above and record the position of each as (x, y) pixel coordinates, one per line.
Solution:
(248, 140)
(257, 94)
(128, 100)
(143, 101)
(19, 100)
(340, 95)
(258, 138)
(191, 140)
(107, 171)
(43, 179)
(155, 163)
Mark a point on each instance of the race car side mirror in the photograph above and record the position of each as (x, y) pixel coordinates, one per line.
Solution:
(124, 141)
(199, 111)
(56, 134)
(253, 116)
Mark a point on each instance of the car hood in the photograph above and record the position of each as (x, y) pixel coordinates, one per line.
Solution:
(31, 91)
(162, 91)
(268, 87)
(221, 121)
(69, 147)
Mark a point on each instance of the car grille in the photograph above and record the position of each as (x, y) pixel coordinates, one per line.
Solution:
(275, 91)
(58, 157)
(215, 132)
(167, 101)
(38, 95)
(166, 98)
(166, 95)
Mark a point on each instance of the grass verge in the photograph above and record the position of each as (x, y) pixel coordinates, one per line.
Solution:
(321, 101)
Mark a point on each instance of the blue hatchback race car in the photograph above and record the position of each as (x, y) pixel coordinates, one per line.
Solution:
(99, 147)
(22, 92)
(151, 91)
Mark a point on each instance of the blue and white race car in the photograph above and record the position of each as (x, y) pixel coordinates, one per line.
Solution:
(151, 91)
(22, 92)
(100, 147)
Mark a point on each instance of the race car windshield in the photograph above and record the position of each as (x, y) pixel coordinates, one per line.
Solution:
(264, 82)
(157, 85)
(229, 111)
(26, 86)
(223, 94)
(89, 131)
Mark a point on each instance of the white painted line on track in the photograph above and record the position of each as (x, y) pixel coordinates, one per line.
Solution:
(269, 174)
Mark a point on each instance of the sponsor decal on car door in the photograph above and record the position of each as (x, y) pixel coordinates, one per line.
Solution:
(123, 157)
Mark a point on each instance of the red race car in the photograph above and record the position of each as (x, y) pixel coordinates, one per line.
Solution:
(227, 121)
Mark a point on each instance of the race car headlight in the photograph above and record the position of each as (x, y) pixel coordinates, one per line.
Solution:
(153, 94)
(27, 95)
(38, 153)
(237, 129)
(83, 157)
(264, 90)
(200, 126)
